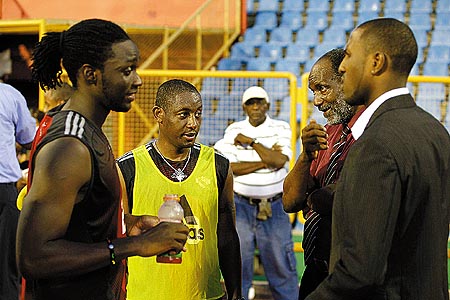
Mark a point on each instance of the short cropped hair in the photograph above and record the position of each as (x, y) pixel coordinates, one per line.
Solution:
(170, 89)
(394, 38)
(87, 42)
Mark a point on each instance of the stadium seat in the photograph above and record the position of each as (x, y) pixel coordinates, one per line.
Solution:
(394, 6)
(250, 6)
(395, 14)
(266, 19)
(367, 15)
(316, 20)
(293, 5)
(435, 69)
(419, 20)
(281, 35)
(342, 20)
(259, 64)
(343, 5)
(243, 50)
(335, 36)
(440, 37)
(239, 85)
(276, 88)
(443, 6)
(308, 64)
(231, 64)
(438, 53)
(285, 110)
(442, 20)
(421, 36)
(268, 5)
(214, 86)
(421, 6)
(291, 19)
(273, 51)
(319, 5)
(323, 48)
(369, 5)
(298, 51)
(307, 37)
(430, 96)
(255, 35)
(288, 65)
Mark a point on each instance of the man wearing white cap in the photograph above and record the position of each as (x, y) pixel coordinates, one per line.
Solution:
(259, 150)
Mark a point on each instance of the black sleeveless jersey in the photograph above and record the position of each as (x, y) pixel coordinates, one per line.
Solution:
(95, 218)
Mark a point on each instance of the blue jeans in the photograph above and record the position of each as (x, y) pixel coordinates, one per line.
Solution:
(274, 240)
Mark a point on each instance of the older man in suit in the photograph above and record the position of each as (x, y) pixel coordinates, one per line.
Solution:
(391, 207)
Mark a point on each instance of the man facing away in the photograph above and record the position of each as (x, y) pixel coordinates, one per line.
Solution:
(259, 150)
(16, 125)
(70, 243)
(310, 185)
(391, 207)
(175, 164)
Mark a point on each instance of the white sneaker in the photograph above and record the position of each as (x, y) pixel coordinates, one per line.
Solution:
(251, 293)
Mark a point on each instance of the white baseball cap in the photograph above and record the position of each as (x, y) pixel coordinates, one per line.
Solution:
(254, 92)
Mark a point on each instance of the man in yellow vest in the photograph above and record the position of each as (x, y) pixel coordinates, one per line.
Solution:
(175, 164)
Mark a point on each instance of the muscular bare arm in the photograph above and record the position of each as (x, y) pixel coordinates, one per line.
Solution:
(228, 241)
(62, 169)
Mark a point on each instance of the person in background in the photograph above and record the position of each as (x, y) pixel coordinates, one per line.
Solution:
(57, 96)
(259, 151)
(391, 205)
(16, 126)
(175, 164)
(70, 238)
(310, 185)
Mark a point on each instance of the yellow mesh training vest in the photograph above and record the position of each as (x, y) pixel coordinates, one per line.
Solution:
(198, 276)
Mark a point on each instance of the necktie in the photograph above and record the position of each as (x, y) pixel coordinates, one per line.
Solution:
(313, 219)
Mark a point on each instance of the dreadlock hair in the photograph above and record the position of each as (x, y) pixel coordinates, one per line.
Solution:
(335, 56)
(168, 91)
(87, 42)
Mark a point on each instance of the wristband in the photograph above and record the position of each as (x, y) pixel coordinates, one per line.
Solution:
(112, 254)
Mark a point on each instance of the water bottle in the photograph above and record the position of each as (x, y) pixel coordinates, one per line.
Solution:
(170, 211)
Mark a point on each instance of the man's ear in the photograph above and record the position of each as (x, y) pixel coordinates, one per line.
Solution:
(379, 63)
(89, 74)
(158, 113)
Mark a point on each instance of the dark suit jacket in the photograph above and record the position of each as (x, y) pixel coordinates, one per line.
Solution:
(391, 210)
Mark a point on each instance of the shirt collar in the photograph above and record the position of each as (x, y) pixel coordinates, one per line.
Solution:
(360, 124)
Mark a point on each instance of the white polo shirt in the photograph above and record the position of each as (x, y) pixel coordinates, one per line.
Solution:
(264, 182)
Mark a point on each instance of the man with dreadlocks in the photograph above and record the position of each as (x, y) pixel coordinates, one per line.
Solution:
(70, 240)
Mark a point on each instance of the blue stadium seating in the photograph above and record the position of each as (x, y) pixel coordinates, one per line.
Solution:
(421, 36)
(272, 51)
(243, 50)
(255, 35)
(293, 5)
(438, 53)
(231, 64)
(291, 19)
(281, 35)
(297, 51)
(344, 5)
(443, 6)
(323, 48)
(268, 5)
(239, 85)
(367, 15)
(419, 20)
(276, 88)
(307, 37)
(442, 20)
(250, 6)
(335, 36)
(266, 19)
(440, 37)
(415, 70)
(288, 65)
(259, 64)
(421, 6)
(316, 20)
(212, 86)
(430, 96)
(319, 5)
(395, 14)
(369, 5)
(435, 69)
(342, 20)
(395, 6)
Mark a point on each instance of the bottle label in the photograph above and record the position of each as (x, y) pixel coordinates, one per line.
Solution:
(169, 258)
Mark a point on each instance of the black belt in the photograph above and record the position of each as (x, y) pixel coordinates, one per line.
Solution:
(7, 183)
(255, 201)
